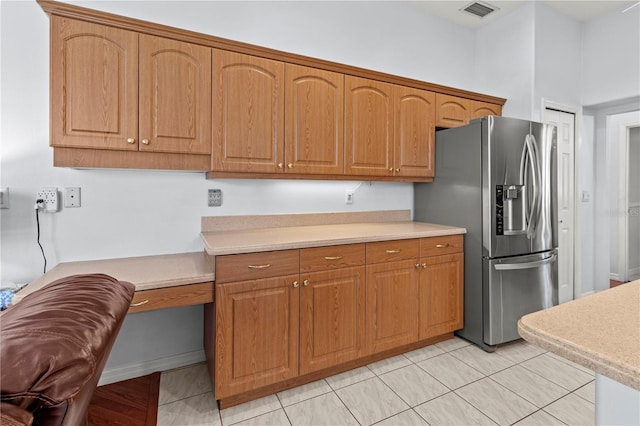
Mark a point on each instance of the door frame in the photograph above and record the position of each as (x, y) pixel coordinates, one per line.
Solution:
(623, 197)
(577, 226)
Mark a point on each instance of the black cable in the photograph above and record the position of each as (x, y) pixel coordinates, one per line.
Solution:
(41, 249)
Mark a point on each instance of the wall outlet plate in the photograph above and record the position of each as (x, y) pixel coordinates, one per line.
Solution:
(50, 198)
(72, 197)
(215, 197)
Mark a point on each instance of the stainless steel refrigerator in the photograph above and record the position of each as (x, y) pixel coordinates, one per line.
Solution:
(497, 177)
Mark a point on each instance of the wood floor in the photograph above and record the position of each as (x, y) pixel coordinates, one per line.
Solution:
(131, 402)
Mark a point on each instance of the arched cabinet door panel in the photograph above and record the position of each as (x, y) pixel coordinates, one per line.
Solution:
(452, 111)
(415, 131)
(94, 86)
(248, 113)
(369, 127)
(314, 121)
(175, 96)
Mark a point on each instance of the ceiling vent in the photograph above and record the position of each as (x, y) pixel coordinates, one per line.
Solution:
(479, 9)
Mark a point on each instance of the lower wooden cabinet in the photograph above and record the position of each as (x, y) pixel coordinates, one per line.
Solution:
(256, 334)
(392, 305)
(331, 318)
(441, 294)
(327, 307)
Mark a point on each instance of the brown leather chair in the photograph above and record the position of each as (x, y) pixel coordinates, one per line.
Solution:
(53, 347)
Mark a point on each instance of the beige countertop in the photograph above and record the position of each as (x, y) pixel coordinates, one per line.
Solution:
(292, 237)
(600, 332)
(146, 272)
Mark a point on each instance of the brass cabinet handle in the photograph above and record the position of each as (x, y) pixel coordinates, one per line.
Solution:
(145, 141)
(418, 266)
(290, 165)
(332, 257)
(397, 169)
(390, 169)
(279, 165)
(295, 284)
(266, 265)
(424, 265)
(393, 251)
(305, 282)
(131, 140)
(144, 302)
(442, 245)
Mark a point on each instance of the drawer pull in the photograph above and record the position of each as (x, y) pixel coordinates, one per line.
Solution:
(393, 251)
(144, 302)
(332, 257)
(442, 245)
(266, 265)
(305, 282)
(295, 284)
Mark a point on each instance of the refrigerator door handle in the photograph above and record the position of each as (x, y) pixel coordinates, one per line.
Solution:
(525, 265)
(537, 192)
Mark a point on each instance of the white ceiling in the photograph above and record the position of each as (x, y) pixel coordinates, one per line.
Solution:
(579, 10)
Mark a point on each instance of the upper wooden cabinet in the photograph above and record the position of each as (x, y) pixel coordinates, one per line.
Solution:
(126, 93)
(453, 111)
(369, 127)
(248, 119)
(314, 101)
(114, 89)
(482, 109)
(175, 101)
(94, 86)
(271, 117)
(389, 129)
(414, 132)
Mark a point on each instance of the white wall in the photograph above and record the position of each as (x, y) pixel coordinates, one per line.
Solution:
(132, 213)
(505, 59)
(610, 66)
(557, 59)
(610, 57)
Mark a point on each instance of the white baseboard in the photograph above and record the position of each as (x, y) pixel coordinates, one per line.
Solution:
(130, 371)
(615, 277)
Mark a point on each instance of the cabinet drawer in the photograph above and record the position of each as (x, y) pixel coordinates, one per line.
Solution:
(170, 297)
(251, 266)
(436, 246)
(390, 251)
(331, 257)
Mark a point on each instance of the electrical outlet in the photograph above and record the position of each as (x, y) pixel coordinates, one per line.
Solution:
(215, 197)
(50, 198)
(348, 197)
(72, 197)
(4, 198)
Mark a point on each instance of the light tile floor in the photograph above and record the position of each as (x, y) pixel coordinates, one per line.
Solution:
(450, 383)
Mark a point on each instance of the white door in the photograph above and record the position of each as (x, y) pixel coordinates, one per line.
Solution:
(565, 123)
(632, 239)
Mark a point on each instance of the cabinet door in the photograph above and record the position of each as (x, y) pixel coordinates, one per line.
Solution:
(94, 86)
(256, 334)
(452, 111)
(391, 305)
(368, 127)
(481, 109)
(415, 132)
(175, 96)
(248, 113)
(331, 318)
(314, 120)
(441, 295)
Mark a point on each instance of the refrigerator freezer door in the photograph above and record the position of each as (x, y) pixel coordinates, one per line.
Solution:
(514, 287)
(503, 190)
(544, 236)
(518, 183)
